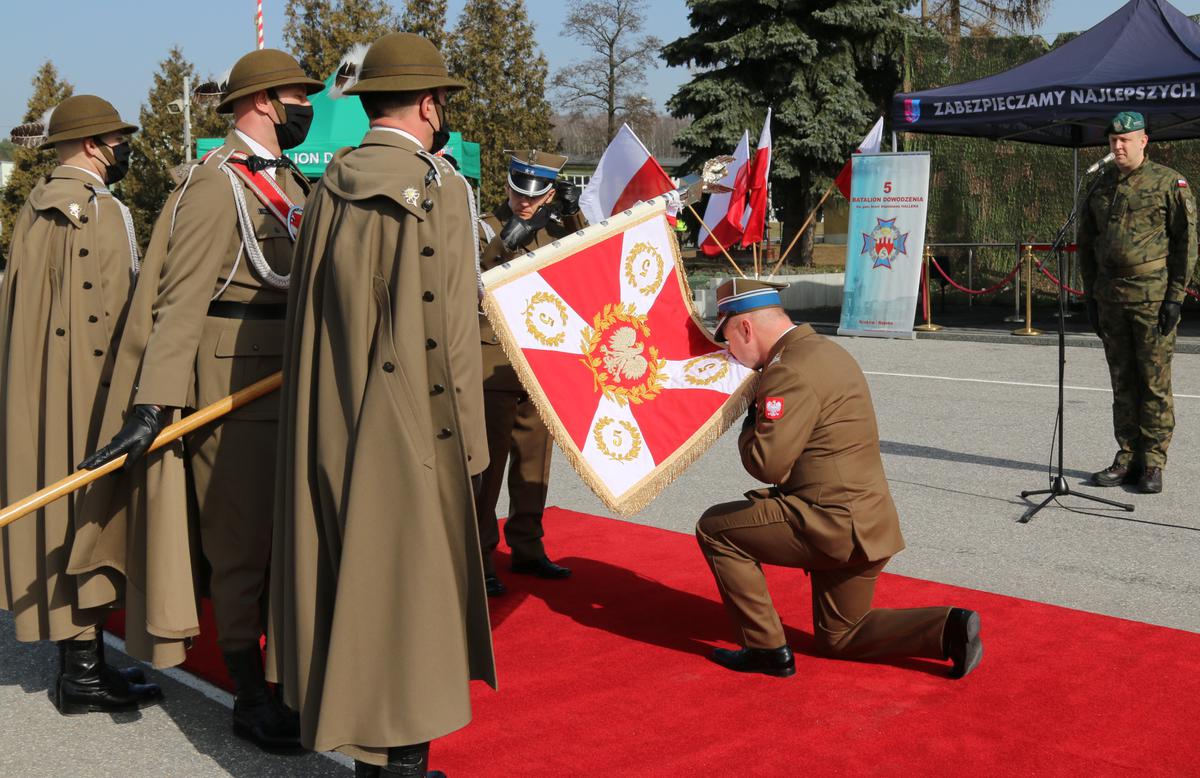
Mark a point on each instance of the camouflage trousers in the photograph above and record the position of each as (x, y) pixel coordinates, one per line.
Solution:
(1139, 363)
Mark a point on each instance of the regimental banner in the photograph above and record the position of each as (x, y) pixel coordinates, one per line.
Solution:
(884, 244)
(601, 330)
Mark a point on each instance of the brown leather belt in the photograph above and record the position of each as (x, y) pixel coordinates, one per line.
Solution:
(227, 310)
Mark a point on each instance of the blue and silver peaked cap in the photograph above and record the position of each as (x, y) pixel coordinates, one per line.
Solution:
(739, 295)
(532, 173)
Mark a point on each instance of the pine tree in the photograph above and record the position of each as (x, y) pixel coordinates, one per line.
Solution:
(608, 80)
(828, 67)
(29, 165)
(320, 32)
(426, 18)
(504, 106)
(157, 149)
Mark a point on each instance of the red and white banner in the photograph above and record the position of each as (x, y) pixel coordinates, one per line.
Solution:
(601, 330)
(869, 145)
(627, 173)
(760, 170)
(726, 211)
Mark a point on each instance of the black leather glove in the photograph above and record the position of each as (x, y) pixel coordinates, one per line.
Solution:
(1168, 317)
(518, 232)
(568, 195)
(751, 419)
(140, 430)
(1093, 314)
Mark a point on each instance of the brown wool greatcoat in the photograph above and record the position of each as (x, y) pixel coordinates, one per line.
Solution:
(65, 296)
(378, 611)
(513, 425)
(174, 354)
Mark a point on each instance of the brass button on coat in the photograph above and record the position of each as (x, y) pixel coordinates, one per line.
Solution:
(427, 204)
(388, 367)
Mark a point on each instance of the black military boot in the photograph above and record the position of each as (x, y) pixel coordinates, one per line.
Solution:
(960, 641)
(1115, 475)
(86, 684)
(410, 761)
(1151, 481)
(258, 716)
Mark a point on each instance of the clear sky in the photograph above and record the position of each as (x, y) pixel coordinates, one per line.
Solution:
(112, 47)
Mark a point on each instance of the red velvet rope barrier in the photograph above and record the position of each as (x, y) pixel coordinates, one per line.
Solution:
(994, 288)
(1192, 293)
(1050, 275)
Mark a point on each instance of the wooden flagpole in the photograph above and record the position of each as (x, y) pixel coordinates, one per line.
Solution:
(808, 220)
(81, 478)
(715, 240)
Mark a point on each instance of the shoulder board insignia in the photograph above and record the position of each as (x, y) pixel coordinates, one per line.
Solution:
(411, 195)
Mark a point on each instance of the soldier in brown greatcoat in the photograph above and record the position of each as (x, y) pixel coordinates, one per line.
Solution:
(66, 291)
(540, 209)
(378, 611)
(812, 434)
(206, 321)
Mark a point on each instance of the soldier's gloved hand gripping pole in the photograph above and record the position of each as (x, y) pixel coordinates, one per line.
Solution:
(133, 439)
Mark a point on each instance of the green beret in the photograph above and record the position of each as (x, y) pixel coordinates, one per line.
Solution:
(1125, 121)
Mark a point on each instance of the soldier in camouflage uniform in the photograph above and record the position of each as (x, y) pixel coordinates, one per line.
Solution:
(1137, 250)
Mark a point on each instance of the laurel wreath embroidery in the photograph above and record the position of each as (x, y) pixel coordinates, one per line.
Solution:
(622, 356)
(704, 364)
(635, 440)
(631, 257)
(538, 335)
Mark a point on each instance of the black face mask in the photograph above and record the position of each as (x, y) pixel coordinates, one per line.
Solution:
(441, 136)
(294, 130)
(116, 160)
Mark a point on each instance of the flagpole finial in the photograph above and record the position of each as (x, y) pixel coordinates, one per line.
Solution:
(711, 174)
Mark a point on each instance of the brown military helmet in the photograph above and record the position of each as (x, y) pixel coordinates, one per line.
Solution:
(403, 62)
(264, 69)
(84, 116)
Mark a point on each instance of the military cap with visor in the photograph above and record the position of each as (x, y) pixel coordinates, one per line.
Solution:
(264, 69)
(84, 116)
(1125, 121)
(533, 173)
(403, 62)
(741, 295)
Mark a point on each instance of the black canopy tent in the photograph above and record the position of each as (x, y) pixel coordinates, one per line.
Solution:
(1144, 57)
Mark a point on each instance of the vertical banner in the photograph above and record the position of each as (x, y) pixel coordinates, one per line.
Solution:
(886, 237)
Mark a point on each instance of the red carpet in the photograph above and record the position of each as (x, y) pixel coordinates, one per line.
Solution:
(605, 674)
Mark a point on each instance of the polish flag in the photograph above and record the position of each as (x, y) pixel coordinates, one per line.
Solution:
(869, 145)
(760, 169)
(726, 211)
(626, 174)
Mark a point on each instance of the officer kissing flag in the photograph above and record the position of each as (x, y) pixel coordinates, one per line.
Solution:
(601, 330)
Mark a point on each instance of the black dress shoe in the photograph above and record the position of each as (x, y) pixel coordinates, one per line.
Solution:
(1115, 475)
(85, 684)
(258, 715)
(777, 662)
(542, 568)
(1151, 481)
(494, 586)
(960, 641)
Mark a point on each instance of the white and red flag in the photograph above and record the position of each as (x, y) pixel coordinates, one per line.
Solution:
(726, 211)
(601, 331)
(760, 170)
(627, 173)
(869, 145)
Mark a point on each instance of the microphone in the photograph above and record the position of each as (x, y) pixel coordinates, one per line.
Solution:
(1109, 157)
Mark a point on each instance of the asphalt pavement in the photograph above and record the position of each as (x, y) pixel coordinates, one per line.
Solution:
(965, 427)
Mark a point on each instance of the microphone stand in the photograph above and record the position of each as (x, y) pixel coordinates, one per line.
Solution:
(1058, 483)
